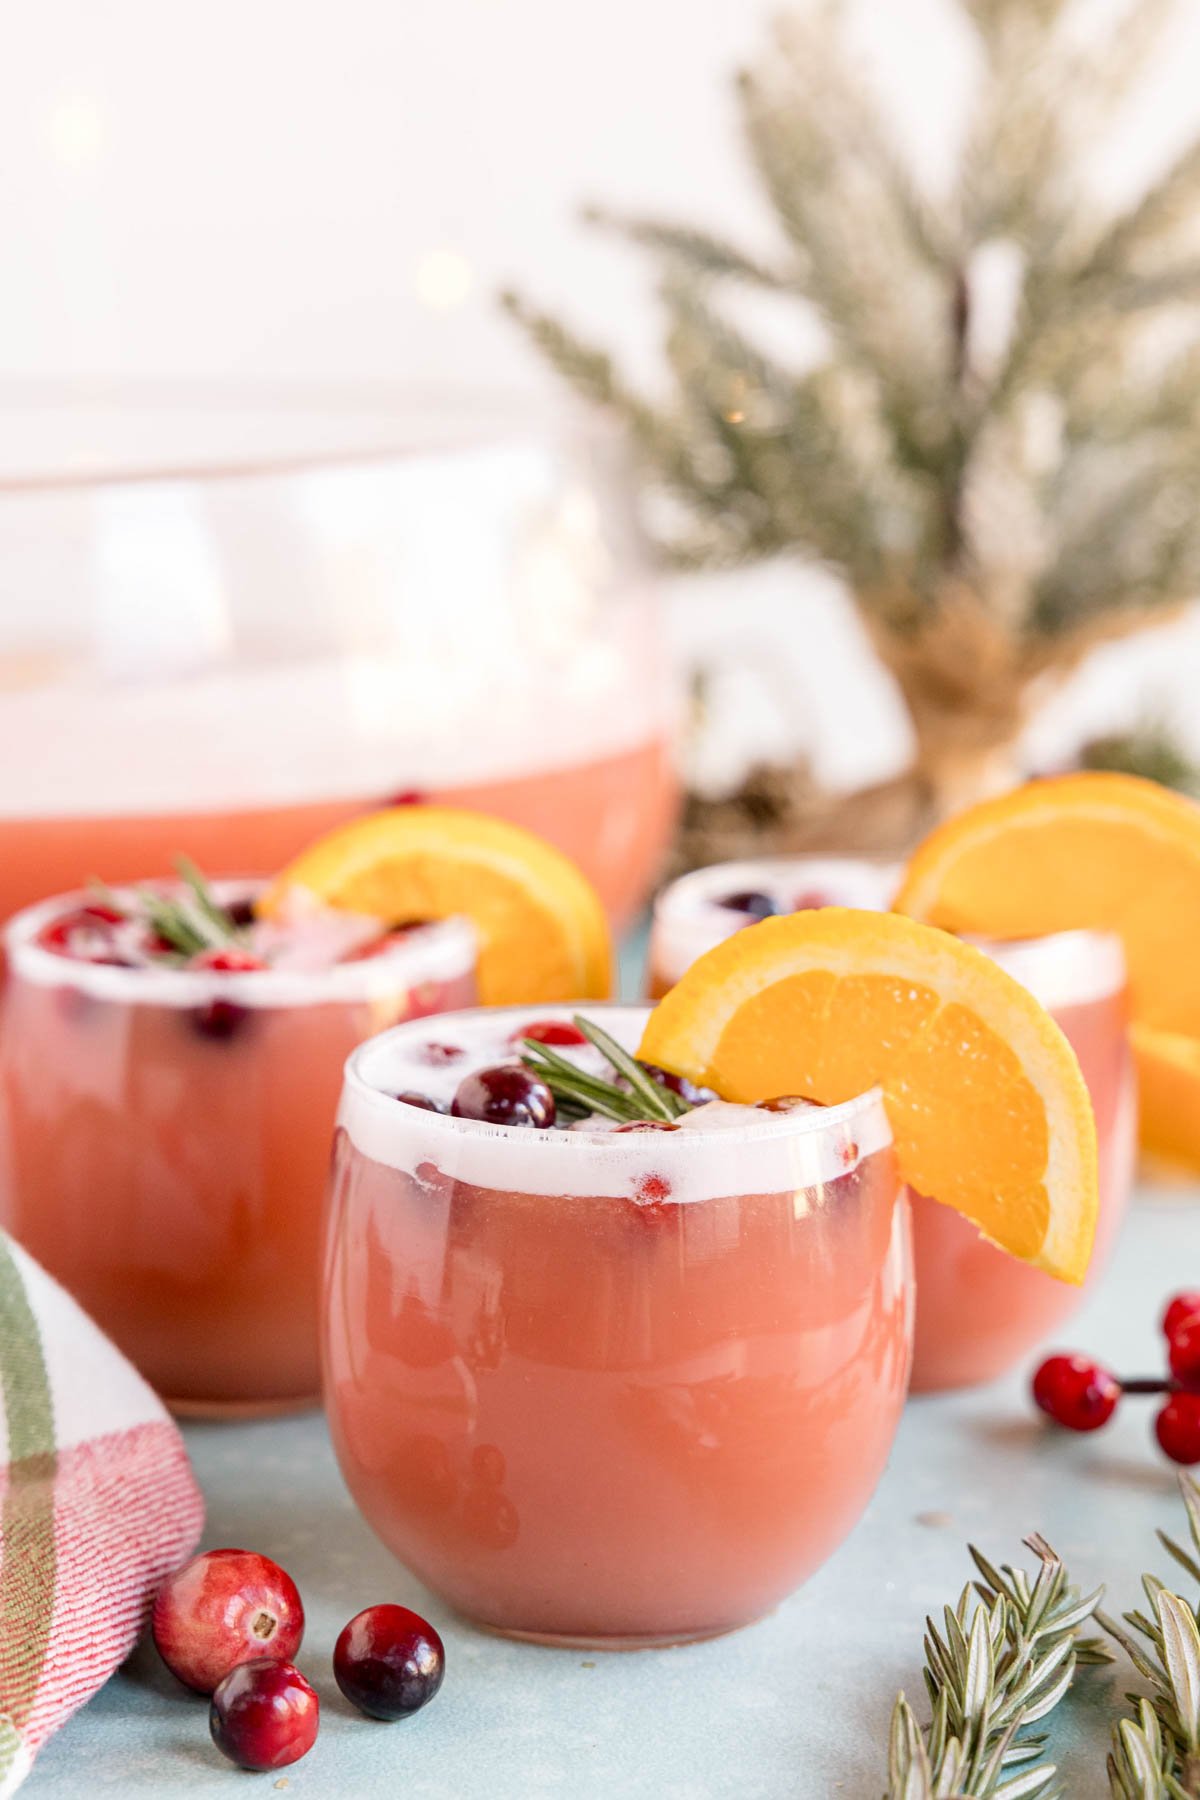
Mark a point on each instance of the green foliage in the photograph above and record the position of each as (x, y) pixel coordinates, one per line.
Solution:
(1052, 476)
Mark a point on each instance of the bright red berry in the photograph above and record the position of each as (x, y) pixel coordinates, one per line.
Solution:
(224, 1608)
(264, 1715)
(228, 960)
(85, 933)
(549, 1031)
(1179, 1310)
(1183, 1353)
(1076, 1392)
(1177, 1428)
(389, 1662)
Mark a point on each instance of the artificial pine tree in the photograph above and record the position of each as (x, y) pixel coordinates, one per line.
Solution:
(995, 507)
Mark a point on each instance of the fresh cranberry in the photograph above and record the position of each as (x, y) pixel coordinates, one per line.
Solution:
(408, 797)
(264, 1715)
(646, 1125)
(1183, 1353)
(227, 960)
(1076, 1392)
(1177, 1428)
(439, 1054)
(679, 1084)
(1180, 1310)
(389, 1662)
(653, 1191)
(84, 933)
(411, 1098)
(754, 904)
(505, 1095)
(217, 1018)
(241, 912)
(549, 1031)
(222, 1608)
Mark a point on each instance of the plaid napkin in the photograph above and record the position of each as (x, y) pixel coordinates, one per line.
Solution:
(97, 1504)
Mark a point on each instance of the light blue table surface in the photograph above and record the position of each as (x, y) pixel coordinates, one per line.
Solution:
(795, 1708)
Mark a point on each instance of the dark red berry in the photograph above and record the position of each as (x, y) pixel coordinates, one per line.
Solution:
(1179, 1310)
(411, 1098)
(241, 912)
(1076, 1392)
(1177, 1428)
(549, 1031)
(264, 1715)
(408, 797)
(755, 905)
(1183, 1353)
(223, 1608)
(505, 1095)
(227, 960)
(679, 1084)
(389, 1662)
(647, 1125)
(218, 1019)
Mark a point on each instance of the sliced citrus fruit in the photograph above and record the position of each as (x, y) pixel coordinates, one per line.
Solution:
(1168, 1068)
(542, 930)
(987, 1105)
(1112, 852)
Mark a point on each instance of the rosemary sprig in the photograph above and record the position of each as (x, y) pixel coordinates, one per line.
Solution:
(629, 1098)
(190, 922)
(990, 1672)
(1156, 1753)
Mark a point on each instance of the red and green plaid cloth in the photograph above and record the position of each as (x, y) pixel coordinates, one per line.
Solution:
(97, 1504)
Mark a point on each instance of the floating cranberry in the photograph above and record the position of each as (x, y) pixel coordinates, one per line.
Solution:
(785, 1103)
(754, 904)
(1076, 1392)
(1180, 1310)
(227, 960)
(550, 1031)
(437, 1055)
(241, 912)
(389, 1662)
(408, 797)
(505, 1095)
(84, 933)
(1183, 1353)
(217, 1019)
(221, 1609)
(646, 1125)
(1177, 1428)
(411, 1098)
(264, 1715)
(679, 1084)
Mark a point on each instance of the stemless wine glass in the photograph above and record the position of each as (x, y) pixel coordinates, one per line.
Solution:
(164, 1143)
(608, 1388)
(233, 619)
(978, 1310)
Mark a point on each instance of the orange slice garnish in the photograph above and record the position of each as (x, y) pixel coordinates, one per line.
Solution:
(1112, 852)
(987, 1105)
(542, 931)
(1168, 1067)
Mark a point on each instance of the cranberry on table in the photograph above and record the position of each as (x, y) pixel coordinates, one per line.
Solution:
(678, 1084)
(223, 1608)
(1076, 1392)
(1183, 1353)
(506, 1094)
(389, 1662)
(1180, 1310)
(754, 904)
(550, 1031)
(1177, 1428)
(264, 1715)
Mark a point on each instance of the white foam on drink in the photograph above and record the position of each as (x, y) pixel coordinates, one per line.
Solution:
(440, 952)
(718, 1150)
(1064, 968)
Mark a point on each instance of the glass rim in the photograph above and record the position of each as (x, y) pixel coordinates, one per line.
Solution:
(854, 1124)
(438, 951)
(1074, 966)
